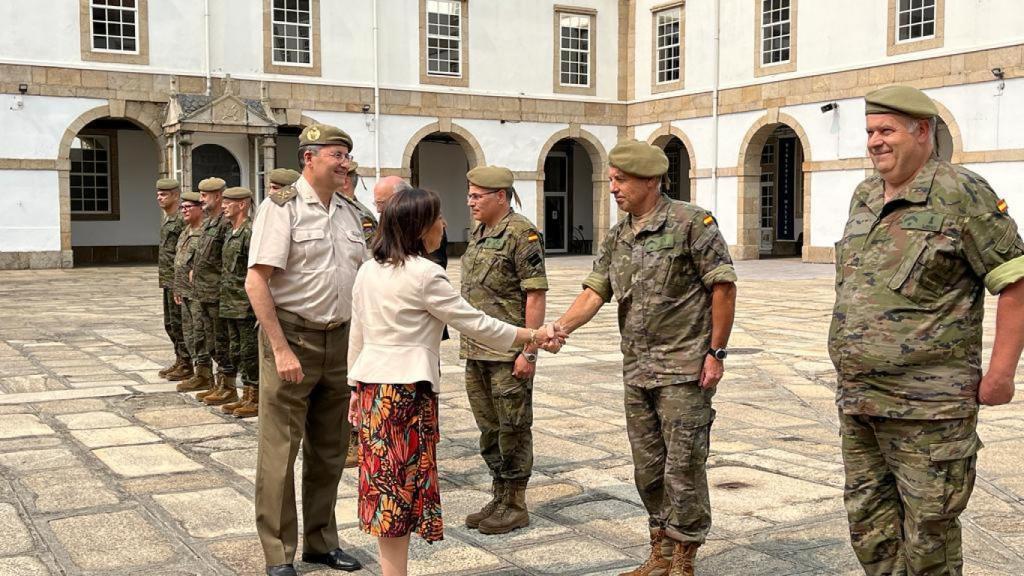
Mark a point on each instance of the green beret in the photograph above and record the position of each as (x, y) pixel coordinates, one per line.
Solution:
(237, 193)
(491, 177)
(190, 197)
(325, 135)
(639, 159)
(900, 100)
(352, 167)
(212, 184)
(284, 176)
(167, 184)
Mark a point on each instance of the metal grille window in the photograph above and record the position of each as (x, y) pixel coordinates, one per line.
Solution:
(767, 199)
(575, 50)
(776, 31)
(90, 175)
(668, 45)
(292, 27)
(114, 25)
(444, 38)
(916, 19)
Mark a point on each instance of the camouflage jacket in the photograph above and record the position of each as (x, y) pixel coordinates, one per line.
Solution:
(170, 229)
(234, 302)
(184, 258)
(366, 218)
(906, 329)
(662, 278)
(499, 266)
(208, 258)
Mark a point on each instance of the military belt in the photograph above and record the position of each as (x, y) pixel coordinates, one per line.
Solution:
(298, 321)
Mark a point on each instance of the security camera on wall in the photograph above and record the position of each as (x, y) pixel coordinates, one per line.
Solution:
(830, 107)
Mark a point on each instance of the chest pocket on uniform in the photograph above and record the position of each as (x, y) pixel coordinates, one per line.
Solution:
(670, 263)
(930, 265)
(494, 262)
(310, 243)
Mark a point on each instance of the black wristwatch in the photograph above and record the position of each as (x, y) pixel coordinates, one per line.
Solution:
(718, 353)
(531, 357)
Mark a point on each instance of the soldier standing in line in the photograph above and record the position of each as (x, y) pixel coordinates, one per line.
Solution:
(923, 238)
(503, 275)
(235, 311)
(184, 291)
(206, 277)
(307, 244)
(282, 178)
(171, 224)
(669, 268)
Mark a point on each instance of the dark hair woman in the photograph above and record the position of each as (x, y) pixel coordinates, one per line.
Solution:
(400, 303)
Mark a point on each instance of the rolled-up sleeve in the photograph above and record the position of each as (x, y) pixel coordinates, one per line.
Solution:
(271, 236)
(994, 249)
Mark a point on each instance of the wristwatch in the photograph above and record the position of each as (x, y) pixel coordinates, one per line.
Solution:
(718, 353)
(531, 357)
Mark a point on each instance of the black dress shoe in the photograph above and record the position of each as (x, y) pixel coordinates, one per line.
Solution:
(336, 559)
(281, 570)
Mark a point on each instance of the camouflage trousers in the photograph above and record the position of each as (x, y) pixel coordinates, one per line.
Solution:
(243, 349)
(172, 324)
(669, 430)
(217, 344)
(907, 481)
(503, 408)
(193, 331)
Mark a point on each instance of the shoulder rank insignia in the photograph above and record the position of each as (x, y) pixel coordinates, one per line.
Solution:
(282, 196)
(1001, 205)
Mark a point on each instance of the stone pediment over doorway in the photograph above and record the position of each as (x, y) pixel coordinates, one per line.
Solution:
(225, 113)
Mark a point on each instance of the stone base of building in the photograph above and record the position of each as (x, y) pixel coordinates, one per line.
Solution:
(92, 255)
(820, 254)
(36, 260)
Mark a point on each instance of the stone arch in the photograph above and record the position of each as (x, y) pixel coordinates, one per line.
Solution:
(599, 163)
(474, 152)
(145, 115)
(748, 172)
(660, 138)
(954, 131)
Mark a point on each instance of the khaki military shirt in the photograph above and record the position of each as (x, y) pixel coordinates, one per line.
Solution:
(209, 259)
(366, 218)
(234, 302)
(316, 249)
(906, 330)
(170, 229)
(184, 257)
(500, 265)
(662, 277)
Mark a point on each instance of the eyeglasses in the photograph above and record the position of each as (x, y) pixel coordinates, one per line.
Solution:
(341, 156)
(474, 197)
(187, 206)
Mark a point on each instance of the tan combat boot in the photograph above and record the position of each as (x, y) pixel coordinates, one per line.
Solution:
(683, 555)
(511, 513)
(218, 384)
(178, 361)
(657, 564)
(497, 494)
(226, 393)
(229, 408)
(352, 458)
(249, 408)
(202, 380)
(182, 372)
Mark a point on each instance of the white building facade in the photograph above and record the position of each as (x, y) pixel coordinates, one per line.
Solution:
(762, 122)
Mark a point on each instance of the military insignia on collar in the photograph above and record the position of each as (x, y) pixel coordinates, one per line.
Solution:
(709, 220)
(313, 134)
(367, 223)
(1001, 205)
(282, 196)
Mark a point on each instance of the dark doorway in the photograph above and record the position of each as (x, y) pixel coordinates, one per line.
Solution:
(212, 160)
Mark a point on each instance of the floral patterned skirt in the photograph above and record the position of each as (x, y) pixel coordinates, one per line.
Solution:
(398, 491)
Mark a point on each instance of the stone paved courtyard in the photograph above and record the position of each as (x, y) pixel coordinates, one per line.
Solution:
(105, 470)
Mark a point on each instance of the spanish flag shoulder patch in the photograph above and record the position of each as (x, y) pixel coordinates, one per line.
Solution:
(1001, 205)
(533, 237)
(709, 220)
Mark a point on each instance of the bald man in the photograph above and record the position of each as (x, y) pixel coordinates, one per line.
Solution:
(385, 188)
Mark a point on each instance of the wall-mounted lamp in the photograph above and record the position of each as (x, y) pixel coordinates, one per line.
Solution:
(19, 99)
(369, 119)
(23, 88)
(999, 74)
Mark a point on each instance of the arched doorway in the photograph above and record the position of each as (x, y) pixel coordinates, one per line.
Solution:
(773, 188)
(679, 167)
(439, 162)
(214, 160)
(568, 209)
(943, 140)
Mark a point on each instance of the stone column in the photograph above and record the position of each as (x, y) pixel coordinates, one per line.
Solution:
(269, 158)
(185, 146)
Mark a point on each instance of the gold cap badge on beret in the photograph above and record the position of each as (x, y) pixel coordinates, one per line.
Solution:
(167, 184)
(491, 177)
(325, 135)
(212, 184)
(237, 193)
(903, 100)
(639, 159)
(284, 176)
(190, 196)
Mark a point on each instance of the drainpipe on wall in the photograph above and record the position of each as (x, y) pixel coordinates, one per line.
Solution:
(714, 116)
(376, 96)
(206, 21)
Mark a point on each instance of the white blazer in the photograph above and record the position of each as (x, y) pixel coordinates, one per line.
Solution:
(398, 314)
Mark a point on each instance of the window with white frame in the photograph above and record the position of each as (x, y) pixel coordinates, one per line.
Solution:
(292, 32)
(776, 31)
(574, 59)
(90, 175)
(767, 199)
(668, 44)
(114, 25)
(768, 154)
(915, 20)
(444, 38)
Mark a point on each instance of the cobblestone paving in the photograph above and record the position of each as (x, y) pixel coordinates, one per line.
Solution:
(105, 470)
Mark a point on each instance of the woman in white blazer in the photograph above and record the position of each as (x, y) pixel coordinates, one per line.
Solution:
(401, 302)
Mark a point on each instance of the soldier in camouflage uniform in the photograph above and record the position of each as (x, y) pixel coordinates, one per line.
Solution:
(235, 312)
(668, 267)
(503, 275)
(922, 240)
(206, 277)
(184, 291)
(167, 195)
